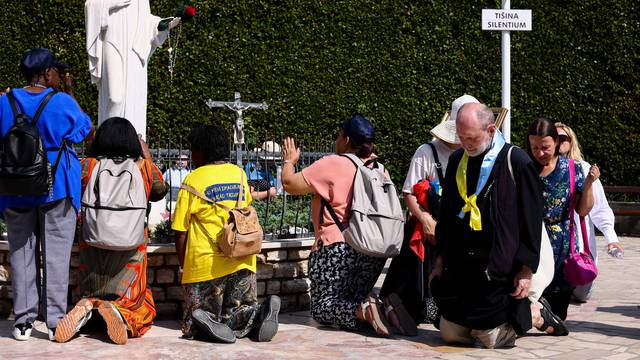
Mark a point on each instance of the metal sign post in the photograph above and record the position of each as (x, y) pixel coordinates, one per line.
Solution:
(238, 129)
(506, 20)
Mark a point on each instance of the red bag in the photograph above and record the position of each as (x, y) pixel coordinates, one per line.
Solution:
(579, 267)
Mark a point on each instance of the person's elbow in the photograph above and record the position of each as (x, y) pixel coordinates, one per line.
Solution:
(295, 184)
(289, 185)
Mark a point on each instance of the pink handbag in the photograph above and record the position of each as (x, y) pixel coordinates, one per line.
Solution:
(579, 267)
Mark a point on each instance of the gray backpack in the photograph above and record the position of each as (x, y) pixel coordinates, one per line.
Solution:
(376, 220)
(114, 206)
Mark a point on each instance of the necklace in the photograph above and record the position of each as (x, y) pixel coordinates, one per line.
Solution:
(36, 85)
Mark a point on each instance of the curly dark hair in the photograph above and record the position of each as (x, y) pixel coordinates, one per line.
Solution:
(116, 138)
(212, 141)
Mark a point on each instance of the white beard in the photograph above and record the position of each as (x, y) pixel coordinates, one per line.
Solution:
(481, 149)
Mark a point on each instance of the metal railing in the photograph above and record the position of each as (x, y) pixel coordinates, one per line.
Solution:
(283, 217)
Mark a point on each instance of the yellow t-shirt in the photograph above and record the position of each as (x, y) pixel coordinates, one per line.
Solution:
(204, 222)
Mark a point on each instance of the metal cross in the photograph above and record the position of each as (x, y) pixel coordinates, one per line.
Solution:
(237, 106)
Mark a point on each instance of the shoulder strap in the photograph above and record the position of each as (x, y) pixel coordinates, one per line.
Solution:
(63, 147)
(43, 103)
(510, 165)
(14, 104)
(572, 198)
(325, 204)
(241, 190)
(354, 159)
(438, 164)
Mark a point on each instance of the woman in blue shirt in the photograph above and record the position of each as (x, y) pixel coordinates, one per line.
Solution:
(48, 221)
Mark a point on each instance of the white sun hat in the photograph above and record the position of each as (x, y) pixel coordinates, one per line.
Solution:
(446, 130)
(270, 150)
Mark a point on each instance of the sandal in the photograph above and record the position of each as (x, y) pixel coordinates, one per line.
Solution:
(371, 313)
(551, 320)
(405, 323)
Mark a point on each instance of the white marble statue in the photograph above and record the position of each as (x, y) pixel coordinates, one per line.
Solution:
(121, 37)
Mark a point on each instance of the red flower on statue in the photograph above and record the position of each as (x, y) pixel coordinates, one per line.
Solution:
(189, 12)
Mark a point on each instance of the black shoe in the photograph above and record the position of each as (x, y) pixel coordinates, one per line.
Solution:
(267, 321)
(211, 329)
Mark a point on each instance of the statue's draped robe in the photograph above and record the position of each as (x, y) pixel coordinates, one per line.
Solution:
(120, 43)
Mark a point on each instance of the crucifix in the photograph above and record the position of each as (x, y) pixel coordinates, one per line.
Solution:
(238, 129)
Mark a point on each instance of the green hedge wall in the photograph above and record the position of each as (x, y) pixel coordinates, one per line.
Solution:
(399, 62)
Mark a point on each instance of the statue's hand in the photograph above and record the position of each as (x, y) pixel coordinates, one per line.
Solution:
(116, 4)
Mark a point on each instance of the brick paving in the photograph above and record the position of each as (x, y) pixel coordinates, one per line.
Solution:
(606, 327)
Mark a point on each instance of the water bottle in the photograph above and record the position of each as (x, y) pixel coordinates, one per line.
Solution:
(279, 179)
(616, 253)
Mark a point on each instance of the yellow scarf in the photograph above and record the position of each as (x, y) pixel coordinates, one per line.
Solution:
(469, 201)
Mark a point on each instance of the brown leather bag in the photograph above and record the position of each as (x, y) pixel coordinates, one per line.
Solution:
(242, 233)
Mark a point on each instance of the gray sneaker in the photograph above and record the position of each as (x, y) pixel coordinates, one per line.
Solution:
(211, 329)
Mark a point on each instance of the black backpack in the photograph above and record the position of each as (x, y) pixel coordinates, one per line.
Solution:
(24, 167)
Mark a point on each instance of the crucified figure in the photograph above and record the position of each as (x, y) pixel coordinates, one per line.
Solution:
(238, 107)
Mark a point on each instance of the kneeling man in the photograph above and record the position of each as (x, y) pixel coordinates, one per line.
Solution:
(488, 236)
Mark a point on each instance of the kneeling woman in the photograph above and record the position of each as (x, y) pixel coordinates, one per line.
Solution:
(341, 278)
(221, 298)
(115, 281)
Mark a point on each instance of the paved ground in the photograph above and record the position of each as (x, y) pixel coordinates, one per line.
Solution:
(605, 327)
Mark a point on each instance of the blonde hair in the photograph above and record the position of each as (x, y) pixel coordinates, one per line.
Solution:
(575, 152)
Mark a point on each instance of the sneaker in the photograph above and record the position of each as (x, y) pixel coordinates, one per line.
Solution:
(71, 323)
(22, 332)
(52, 334)
(211, 329)
(267, 320)
(116, 328)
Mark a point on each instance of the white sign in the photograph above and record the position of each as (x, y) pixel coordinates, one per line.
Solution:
(506, 20)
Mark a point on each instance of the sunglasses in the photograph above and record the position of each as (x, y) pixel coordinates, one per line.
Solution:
(564, 138)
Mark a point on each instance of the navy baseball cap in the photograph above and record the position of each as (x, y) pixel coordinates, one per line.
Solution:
(359, 129)
(37, 60)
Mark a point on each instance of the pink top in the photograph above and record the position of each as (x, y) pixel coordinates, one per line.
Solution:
(332, 179)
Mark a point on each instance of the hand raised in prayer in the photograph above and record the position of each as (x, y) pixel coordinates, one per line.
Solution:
(289, 151)
(521, 282)
(146, 154)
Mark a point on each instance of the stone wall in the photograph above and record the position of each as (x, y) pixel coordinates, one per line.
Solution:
(282, 270)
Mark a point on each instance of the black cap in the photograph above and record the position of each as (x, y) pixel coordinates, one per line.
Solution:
(359, 129)
(37, 60)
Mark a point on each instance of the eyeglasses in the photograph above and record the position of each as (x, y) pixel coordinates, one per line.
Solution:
(564, 138)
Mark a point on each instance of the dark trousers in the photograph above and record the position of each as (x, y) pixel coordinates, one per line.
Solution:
(559, 302)
(408, 276)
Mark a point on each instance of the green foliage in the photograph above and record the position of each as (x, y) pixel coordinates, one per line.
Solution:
(399, 62)
(275, 216)
(162, 233)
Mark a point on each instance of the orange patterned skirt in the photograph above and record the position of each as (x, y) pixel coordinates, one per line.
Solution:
(119, 277)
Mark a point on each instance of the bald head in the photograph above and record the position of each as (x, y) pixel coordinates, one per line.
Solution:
(475, 112)
(475, 126)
